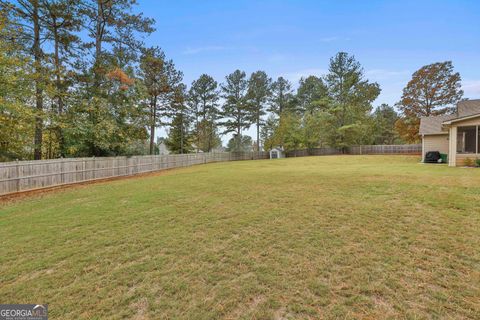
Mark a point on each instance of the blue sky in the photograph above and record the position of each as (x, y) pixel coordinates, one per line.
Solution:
(391, 39)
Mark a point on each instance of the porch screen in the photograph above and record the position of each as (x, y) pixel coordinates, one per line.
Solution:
(467, 139)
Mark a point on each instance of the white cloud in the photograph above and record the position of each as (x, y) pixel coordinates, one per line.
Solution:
(471, 88)
(196, 50)
(294, 77)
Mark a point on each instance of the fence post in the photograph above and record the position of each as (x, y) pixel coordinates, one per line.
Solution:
(83, 170)
(94, 168)
(17, 172)
(62, 170)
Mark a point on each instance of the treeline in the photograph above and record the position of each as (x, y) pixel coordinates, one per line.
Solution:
(76, 79)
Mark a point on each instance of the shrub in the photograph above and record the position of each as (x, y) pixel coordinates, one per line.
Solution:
(468, 162)
(477, 162)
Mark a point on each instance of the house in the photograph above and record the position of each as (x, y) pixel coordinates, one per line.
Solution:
(456, 135)
(277, 152)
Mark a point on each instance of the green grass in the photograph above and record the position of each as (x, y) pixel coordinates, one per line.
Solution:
(301, 238)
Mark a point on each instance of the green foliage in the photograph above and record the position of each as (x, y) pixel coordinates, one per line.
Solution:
(477, 162)
(16, 119)
(468, 162)
(281, 98)
(259, 87)
(236, 110)
(206, 136)
(240, 143)
(351, 98)
(383, 121)
(312, 95)
(179, 139)
(203, 99)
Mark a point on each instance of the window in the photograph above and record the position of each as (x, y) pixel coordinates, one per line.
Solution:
(467, 139)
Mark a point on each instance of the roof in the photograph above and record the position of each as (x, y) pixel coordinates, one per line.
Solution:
(465, 110)
(468, 108)
(433, 125)
(476, 115)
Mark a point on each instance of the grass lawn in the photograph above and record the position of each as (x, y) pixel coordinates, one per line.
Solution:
(348, 237)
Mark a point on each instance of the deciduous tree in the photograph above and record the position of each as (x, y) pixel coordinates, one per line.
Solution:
(433, 90)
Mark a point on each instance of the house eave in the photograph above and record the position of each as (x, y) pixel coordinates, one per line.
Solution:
(450, 122)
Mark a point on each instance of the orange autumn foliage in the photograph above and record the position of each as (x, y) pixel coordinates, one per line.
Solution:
(117, 74)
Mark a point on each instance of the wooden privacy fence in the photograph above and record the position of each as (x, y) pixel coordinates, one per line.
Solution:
(367, 149)
(386, 149)
(28, 175)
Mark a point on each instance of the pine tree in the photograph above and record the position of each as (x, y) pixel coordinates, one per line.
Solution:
(350, 100)
(281, 96)
(259, 90)
(160, 78)
(203, 100)
(235, 109)
(312, 95)
(179, 137)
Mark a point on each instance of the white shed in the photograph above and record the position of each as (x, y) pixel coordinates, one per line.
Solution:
(277, 152)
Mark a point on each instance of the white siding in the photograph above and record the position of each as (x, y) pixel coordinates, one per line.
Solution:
(435, 143)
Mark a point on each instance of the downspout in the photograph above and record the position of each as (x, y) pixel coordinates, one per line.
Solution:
(423, 148)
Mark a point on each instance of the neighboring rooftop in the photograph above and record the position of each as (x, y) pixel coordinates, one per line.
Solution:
(433, 124)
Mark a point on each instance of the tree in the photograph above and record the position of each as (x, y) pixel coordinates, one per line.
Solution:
(112, 23)
(350, 100)
(203, 100)
(235, 109)
(240, 144)
(384, 119)
(433, 90)
(257, 97)
(16, 118)
(160, 78)
(179, 138)
(287, 132)
(311, 94)
(206, 136)
(29, 15)
(268, 132)
(115, 35)
(281, 96)
(314, 127)
(62, 21)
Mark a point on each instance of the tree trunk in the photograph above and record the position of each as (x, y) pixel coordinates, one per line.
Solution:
(258, 136)
(58, 82)
(153, 119)
(37, 153)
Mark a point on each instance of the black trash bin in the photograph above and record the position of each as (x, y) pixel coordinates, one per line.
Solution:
(433, 157)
